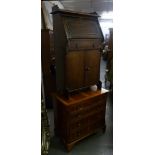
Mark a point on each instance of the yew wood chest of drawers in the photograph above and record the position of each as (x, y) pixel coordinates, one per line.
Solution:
(79, 116)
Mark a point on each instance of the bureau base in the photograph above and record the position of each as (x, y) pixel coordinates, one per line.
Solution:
(79, 116)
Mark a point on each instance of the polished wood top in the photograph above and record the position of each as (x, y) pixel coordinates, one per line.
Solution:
(80, 96)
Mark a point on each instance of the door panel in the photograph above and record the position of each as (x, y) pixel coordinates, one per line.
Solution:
(74, 70)
(92, 67)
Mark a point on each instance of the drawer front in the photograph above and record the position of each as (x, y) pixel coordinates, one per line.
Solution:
(78, 134)
(78, 131)
(84, 44)
(85, 126)
(78, 124)
(85, 107)
(81, 116)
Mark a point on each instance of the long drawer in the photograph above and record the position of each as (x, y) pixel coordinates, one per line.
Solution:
(84, 44)
(78, 124)
(80, 132)
(83, 115)
(81, 127)
(85, 106)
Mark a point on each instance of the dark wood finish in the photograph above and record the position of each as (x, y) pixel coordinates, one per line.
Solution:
(84, 68)
(79, 116)
(76, 27)
(48, 63)
(92, 67)
(77, 44)
(74, 78)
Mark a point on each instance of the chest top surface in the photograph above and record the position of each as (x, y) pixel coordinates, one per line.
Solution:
(81, 96)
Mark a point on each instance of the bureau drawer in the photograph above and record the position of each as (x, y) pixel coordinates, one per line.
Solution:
(85, 130)
(96, 117)
(82, 116)
(77, 124)
(86, 107)
(84, 44)
(78, 134)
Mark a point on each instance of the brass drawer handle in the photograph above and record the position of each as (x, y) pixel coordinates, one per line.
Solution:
(87, 69)
(78, 124)
(79, 108)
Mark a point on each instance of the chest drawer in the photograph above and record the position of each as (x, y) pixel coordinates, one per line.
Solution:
(83, 115)
(76, 124)
(84, 44)
(82, 128)
(78, 134)
(85, 107)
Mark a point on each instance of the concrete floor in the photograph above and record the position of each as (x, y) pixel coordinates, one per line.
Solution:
(96, 144)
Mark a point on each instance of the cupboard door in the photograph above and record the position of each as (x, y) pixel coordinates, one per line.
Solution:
(92, 67)
(74, 70)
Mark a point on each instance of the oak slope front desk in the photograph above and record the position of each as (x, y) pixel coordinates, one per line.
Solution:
(77, 43)
(79, 116)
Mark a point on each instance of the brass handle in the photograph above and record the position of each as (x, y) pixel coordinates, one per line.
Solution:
(87, 69)
(78, 124)
(80, 108)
